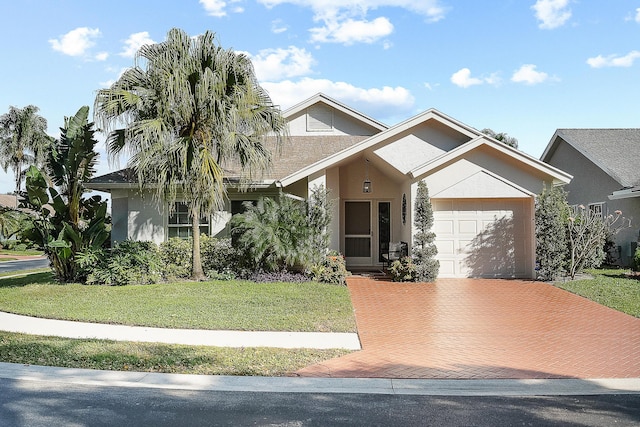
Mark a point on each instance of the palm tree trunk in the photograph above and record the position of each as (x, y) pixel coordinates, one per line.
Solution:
(196, 268)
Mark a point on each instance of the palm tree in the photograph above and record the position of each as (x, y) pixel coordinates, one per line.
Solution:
(23, 140)
(191, 110)
(502, 137)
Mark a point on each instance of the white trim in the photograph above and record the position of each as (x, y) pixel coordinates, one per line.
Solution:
(627, 193)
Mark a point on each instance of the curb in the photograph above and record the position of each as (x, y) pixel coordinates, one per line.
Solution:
(538, 387)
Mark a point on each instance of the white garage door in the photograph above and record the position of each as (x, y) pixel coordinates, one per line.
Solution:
(483, 237)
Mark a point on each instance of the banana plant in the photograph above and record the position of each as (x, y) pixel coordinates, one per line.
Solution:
(66, 224)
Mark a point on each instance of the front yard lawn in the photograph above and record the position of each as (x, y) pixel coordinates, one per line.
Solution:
(225, 305)
(230, 305)
(608, 287)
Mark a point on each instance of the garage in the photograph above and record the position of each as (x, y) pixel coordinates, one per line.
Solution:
(484, 237)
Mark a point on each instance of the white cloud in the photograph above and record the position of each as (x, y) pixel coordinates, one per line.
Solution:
(214, 7)
(613, 60)
(345, 21)
(278, 26)
(102, 56)
(637, 19)
(135, 42)
(462, 78)
(377, 102)
(76, 42)
(527, 74)
(218, 8)
(552, 13)
(352, 31)
(277, 64)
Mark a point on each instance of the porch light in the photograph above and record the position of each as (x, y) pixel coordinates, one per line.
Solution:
(366, 185)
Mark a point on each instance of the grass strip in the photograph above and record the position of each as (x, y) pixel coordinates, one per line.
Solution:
(151, 357)
(610, 288)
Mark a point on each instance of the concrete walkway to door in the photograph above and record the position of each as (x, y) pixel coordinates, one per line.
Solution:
(480, 328)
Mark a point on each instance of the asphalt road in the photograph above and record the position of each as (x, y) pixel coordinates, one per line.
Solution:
(27, 264)
(34, 403)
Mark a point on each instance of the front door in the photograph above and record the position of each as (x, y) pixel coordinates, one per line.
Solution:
(357, 232)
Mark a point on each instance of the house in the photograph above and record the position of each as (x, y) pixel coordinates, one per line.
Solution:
(9, 201)
(605, 164)
(482, 191)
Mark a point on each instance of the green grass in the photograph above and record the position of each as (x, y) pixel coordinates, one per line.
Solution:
(149, 357)
(24, 272)
(27, 252)
(225, 305)
(7, 259)
(610, 288)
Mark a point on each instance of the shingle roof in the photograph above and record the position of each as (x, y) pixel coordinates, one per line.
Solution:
(295, 153)
(615, 151)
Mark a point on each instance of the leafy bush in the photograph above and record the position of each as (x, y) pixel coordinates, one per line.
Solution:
(424, 248)
(636, 260)
(272, 235)
(127, 263)
(219, 258)
(332, 269)
(175, 254)
(551, 235)
(403, 270)
(277, 276)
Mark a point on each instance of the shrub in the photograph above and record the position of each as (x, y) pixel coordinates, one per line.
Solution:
(277, 276)
(175, 254)
(332, 269)
(219, 258)
(403, 270)
(551, 235)
(318, 221)
(636, 260)
(424, 248)
(127, 263)
(272, 235)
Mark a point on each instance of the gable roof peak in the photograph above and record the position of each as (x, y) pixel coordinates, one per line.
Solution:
(331, 102)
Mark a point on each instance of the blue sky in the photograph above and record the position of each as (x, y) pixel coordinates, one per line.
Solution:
(524, 67)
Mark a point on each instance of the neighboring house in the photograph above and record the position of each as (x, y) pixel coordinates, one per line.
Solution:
(605, 164)
(482, 191)
(9, 201)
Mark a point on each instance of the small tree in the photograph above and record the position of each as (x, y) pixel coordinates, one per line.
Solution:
(551, 237)
(586, 235)
(65, 223)
(424, 248)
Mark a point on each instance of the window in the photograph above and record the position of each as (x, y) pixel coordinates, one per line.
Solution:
(179, 223)
(238, 207)
(597, 209)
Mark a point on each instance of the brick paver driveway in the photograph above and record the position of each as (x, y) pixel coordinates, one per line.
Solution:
(478, 328)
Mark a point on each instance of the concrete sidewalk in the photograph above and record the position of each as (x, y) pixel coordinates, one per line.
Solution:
(540, 387)
(67, 329)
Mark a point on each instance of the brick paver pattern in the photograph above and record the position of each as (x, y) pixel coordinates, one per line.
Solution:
(481, 328)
